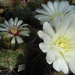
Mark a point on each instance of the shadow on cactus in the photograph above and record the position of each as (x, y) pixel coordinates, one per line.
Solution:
(21, 12)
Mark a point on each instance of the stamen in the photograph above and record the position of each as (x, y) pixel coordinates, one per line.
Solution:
(63, 43)
(14, 31)
(56, 14)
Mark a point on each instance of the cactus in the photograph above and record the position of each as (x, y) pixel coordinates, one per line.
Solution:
(21, 12)
(34, 4)
(6, 40)
(3, 1)
(13, 57)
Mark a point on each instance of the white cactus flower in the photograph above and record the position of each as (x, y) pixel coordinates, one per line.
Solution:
(59, 45)
(52, 10)
(14, 29)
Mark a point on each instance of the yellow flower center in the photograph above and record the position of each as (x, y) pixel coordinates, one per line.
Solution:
(56, 14)
(63, 43)
(14, 31)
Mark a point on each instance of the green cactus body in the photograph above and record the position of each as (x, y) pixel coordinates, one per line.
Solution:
(3, 1)
(6, 40)
(21, 12)
(12, 58)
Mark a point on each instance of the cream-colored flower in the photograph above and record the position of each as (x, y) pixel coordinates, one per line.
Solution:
(52, 10)
(14, 29)
(59, 45)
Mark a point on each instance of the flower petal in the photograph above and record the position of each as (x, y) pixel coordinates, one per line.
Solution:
(6, 23)
(42, 12)
(50, 57)
(65, 25)
(70, 8)
(70, 35)
(61, 6)
(47, 39)
(50, 5)
(24, 25)
(66, 3)
(2, 25)
(13, 41)
(19, 39)
(10, 35)
(11, 22)
(69, 58)
(56, 52)
(3, 29)
(72, 67)
(57, 65)
(15, 21)
(57, 22)
(48, 29)
(46, 8)
(43, 18)
(24, 33)
(44, 47)
(19, 23)
(56, 5)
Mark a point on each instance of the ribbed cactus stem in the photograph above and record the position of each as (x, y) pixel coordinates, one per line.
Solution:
(10, 59)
